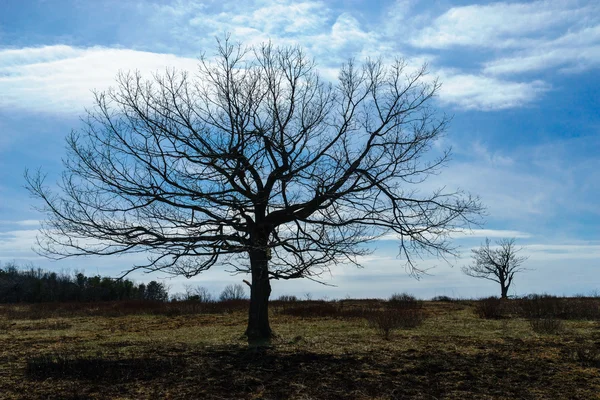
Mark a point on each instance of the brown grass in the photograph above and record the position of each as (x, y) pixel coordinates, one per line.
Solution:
(453, 354)
(548, 326)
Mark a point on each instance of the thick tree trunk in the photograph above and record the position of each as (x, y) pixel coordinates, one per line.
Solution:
(504, 291)
(259, 331)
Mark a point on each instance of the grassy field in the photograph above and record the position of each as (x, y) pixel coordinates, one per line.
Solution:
(321, 351)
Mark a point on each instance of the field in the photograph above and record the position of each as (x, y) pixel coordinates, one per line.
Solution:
(323, 350)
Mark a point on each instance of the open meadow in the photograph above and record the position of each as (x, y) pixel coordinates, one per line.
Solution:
(537, 348)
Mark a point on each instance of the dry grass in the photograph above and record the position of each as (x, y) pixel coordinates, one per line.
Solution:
(548, 326)
(453, 354)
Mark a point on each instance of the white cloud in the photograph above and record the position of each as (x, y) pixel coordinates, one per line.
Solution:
(554, 252)
(285, 21)
(26, 222)
(493, 233)
(383, 274)
(571, 52)
(327, 34)
(60, 78)
(17, 244)
(480, 92)
(18, 57)
(541, 183)
(502, 24)
(511, 194)
(491, 157)
(525, 36)
(285, 17)
(470, 234)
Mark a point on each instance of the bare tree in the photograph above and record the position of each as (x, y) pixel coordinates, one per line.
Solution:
(202, 295)
(256, 164)
(198, 293)
(498, 264)
(233, 292)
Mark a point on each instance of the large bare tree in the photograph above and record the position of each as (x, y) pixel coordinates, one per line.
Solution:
(498, 264)
(257, 164)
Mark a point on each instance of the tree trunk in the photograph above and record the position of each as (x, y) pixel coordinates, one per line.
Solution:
(504, 289)
(259, 331)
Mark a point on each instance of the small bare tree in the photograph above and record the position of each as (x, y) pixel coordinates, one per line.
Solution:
(198, 293)
(256, 164)
(498, 264)
(233, 292)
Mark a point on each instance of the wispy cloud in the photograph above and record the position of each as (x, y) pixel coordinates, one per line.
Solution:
(572, 52)
(17, 244)
(541, 34)
(503, 24)
(525, 36)
(493, 233)
(26, 222)
(473, 233)
(60, 78)
(480, 92)
(526, 187)
(564, 251)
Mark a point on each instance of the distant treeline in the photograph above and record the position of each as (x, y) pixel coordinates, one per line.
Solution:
(34, 285)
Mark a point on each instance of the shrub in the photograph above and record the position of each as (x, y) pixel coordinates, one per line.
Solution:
(388, 320)
(311, 309)
(546, 325)
(546, 306)
(404, 301)
(445, 299)
(233, 292)
(197, 293)
(354, 312)
(489, 308)
(539, 306)
(120, 308)
(287, 298)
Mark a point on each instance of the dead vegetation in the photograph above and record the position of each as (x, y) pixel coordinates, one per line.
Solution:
(451, 353)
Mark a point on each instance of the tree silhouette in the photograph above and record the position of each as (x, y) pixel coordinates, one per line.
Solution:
(498, 264)
(256, 164)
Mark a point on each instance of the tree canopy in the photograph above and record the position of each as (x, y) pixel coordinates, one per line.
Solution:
(497, 263)
(257, 163)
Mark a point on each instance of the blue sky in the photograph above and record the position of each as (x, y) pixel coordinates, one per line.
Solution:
(520, 79)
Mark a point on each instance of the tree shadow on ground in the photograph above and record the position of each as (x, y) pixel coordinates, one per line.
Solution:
(239, 373)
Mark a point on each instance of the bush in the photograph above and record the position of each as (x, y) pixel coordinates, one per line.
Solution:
(287, 299)
(233, 292)
(404, 301)
(539, 306)
(549, 326)
(197, 293)
(489, 308)
(120, 308)
(311, 309)
(547, 306)
(388, 320)
(445, 299)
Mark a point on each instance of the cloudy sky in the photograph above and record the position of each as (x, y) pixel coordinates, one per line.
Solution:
(521, 80)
